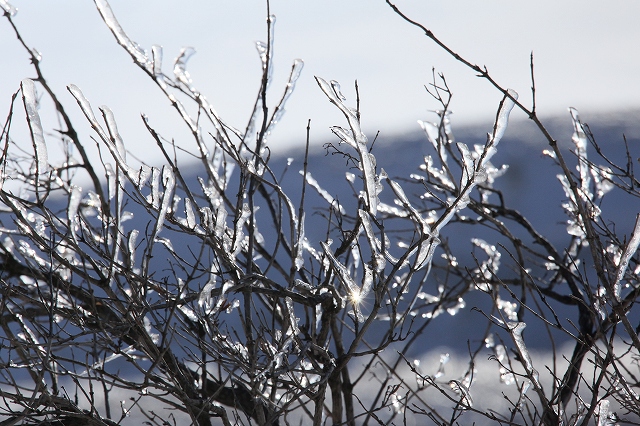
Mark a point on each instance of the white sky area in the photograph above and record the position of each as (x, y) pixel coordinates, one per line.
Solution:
(586, 56)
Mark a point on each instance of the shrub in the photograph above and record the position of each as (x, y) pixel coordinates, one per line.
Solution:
(177, 298)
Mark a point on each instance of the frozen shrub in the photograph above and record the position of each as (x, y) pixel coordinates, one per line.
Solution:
(132, 292)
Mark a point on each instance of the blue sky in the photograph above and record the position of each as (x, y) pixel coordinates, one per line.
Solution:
(586, 55)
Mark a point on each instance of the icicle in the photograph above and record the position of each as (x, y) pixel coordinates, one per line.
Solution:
(35, 126)
(367, 282)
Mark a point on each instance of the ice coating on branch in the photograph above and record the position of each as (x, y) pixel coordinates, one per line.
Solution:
(204, 298)
(358, 140)
(404, 200)
(439, 174)
(344, 136)
(323, 193)
(221, 222)
(137, 53)
(180, 67)
(169, 182)
(340, 270)
(433, 134)
(84, 104)
(296, 70)
(293, 329)
(113, 141)
(35, 126)
(191, 218)
(462, 390)
(516, 329)
(156, 58)
(587, 171)
(579, 139)
(357, 296)
(506, 376)
(143, 176)
(489, 267)
(430, 240)
(131, 245)
(111, 180)
(8, 8)
(238, 233)
(630, 249)
(154, 197)
(605, 418)
(502, 120)
(469, 166)
(374, 243)
(354, 293)
(479, 172)
(114, 135)
(444, 359)
(299, 245)
(425, 253)
(72, 208)
(265, 50)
